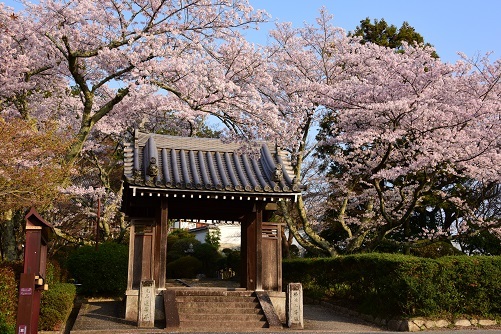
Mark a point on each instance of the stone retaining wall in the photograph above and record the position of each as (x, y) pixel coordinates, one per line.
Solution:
(412, 325)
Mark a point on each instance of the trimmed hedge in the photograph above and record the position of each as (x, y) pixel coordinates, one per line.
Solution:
(8, 298)
(56, 306)
(100, 272)
(403, 286)
(184, 267)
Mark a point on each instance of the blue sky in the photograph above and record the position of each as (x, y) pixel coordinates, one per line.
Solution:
(468, 26)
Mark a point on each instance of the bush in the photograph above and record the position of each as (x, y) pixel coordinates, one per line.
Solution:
(5, 327)
(185, 267)
(8, 298)
(56, 306)
(405, 286)
(471, 285)
(230, 260)
(209, 258)
(52, 311)
(102, 271)
(54, 273)
(180, 248)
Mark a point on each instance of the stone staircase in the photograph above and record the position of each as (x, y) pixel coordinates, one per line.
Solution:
(213, 309)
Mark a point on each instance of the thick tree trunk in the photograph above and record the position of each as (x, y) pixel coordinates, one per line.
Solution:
(8, 241)
(311, 241)
(317, 239)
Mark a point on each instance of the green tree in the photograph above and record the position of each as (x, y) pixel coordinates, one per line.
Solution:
(31, 172)
(381, 33)
(213, 238)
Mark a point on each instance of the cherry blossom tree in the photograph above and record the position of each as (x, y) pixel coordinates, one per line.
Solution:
(400, 130)
(114, 64)
(405, 131)
(100, 68)
(299, 65)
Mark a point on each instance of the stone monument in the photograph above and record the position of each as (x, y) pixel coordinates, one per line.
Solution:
(295, 306)
(146, 317)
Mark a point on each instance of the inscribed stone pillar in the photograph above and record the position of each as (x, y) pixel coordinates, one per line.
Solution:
(146, 316)
(295, 305)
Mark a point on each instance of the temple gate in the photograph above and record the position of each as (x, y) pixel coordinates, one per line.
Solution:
(168, 178)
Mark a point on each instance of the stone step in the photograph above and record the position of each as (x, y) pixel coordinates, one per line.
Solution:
(218, 308)
(223, 325)
(213, 292)
(216, 299)
(221, 317)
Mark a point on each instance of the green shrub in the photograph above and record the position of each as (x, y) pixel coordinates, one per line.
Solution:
(185, 267)
(8, 297)
(181, 247)
(209, 257)
(55, 306)
(405, 286)
(54, 273)
(102, 271)
(230, 260)
(5, 327)
(471, 285)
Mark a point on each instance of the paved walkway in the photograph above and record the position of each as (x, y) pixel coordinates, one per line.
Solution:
(107, 317)
(102, 317)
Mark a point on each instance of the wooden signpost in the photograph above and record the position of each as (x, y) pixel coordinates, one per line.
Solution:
(32, 280)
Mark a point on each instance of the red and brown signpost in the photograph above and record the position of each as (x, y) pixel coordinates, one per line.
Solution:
(32, 281)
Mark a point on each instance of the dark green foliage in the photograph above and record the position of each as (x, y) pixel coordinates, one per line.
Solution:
(213, 238)
(436, 250)
(5, 326)
(180, 248)
(471, 285)
(184, 249)
(184, 267)
(380, 33)
(56, 306)
(389, 285)
(180, 243)
(230, 260)
(100, 272)
(54, 273)
(179, 234)
(209, 257)
(8, 298)
(483, 242)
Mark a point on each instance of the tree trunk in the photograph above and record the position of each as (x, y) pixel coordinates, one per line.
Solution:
(286, 253)
(317, 239)
(8, 226)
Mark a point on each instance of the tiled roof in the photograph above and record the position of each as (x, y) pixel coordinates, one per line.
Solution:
(206, 165)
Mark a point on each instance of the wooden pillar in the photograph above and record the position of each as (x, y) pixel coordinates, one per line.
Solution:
(244, 272)
(259, 247)
(253, 248)
(141, 262)
(161, 244)
(131, 257)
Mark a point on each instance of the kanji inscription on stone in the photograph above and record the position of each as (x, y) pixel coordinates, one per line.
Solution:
(146, 316)
(295, 305)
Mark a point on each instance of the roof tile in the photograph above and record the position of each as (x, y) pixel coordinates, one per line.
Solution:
(206, 164)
